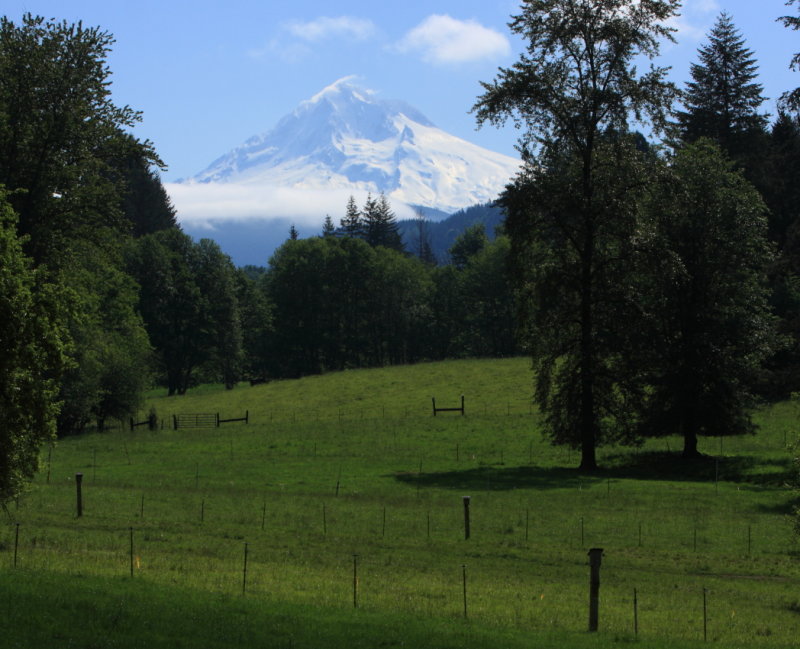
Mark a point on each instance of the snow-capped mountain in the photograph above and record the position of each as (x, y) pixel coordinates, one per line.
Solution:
(345, 138)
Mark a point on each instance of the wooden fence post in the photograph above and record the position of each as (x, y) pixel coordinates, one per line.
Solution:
(466, 517)
(78, 481)
(595, 558)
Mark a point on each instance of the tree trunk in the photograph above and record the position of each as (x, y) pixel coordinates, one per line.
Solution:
(587, 351)
(690, 436)
(587, 414)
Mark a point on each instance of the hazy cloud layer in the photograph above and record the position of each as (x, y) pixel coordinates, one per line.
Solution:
(293, 43)
(443, 39)
(211, 204)
(326, 27)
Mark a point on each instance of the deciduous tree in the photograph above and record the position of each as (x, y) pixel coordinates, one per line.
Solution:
(710, 325)
(32, 344)
(574, 83)
(62, 139)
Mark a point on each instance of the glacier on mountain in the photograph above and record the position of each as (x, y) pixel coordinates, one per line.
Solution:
(347, 140)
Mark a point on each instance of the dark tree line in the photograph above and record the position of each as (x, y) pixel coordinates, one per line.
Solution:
(337, 302)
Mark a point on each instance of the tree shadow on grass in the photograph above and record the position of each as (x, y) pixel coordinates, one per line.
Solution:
(766, 473)
(495, 478)
(660, 465)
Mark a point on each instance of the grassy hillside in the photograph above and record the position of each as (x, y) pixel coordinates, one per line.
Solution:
(354, 464)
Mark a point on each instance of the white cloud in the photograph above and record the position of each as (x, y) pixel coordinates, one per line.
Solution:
(695, 19)
(443, 39)
(325, 27)
(210, 204)
(293, 43)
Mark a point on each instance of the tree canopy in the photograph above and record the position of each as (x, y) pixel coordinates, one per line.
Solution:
(572, 93)
(708, 328)
(61, 136)
(791, 98)
(34, 344)
(723, 98)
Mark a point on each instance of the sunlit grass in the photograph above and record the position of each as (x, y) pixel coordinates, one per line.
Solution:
(355, 464)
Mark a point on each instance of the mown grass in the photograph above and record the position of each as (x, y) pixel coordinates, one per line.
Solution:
(354, 464)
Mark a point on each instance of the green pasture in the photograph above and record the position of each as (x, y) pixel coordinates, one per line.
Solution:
(347, 480)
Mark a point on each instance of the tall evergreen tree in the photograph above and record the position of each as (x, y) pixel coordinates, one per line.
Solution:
(146, 205)
(380, 224)
(424, 248)
(723, 99)
(791, 98)
(575, 81)
(351, 223)
(328, 229)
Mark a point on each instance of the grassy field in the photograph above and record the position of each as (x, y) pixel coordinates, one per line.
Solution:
(348, 480)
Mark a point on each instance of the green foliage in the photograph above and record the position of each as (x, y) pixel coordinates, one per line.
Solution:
(339, 302)
(328, 228)
(111, 352)
(256, 320)
(468, 244)
(488, 328)
(61, 137)
(575, 83)
(574, 268)
(710, 328)
(33, 346)
(216, 278)
(380, 224)
(80, 184)
(575, 78)
(188, 301)
(781, 194)
(723, 98)
(170, 303)
(352, 224)
(146, 205)
(791, 98)
(424, 244)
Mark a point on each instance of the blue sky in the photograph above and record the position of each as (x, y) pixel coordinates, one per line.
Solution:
(209, 74)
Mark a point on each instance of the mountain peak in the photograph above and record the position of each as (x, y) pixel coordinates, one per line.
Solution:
(344, 137)
(342, 86)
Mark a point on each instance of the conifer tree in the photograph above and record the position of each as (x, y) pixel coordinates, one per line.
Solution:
(328, 229)
(723, 98)
(424, 248)
(380, 224)
(351, 223)
(791, 98)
